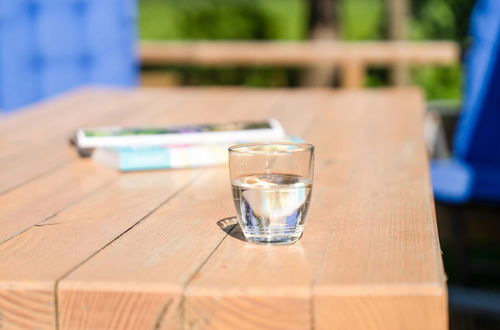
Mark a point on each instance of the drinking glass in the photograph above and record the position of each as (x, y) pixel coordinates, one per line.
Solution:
(272, 184)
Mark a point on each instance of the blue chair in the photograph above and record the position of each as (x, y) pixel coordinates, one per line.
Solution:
(473, 174)
(50, 46)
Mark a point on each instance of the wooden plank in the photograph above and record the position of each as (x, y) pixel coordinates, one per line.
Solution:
(394, 277)
(33, 202)
(49, 151)
(169, 237)
(145, 289)
(371, 235)
(373, 311)
(297, 53)
(75, 291)
(50, 108)
(29, 275)
(49, 148)
(272, 289)
(33, 261)
(45, 196)
(53, 117)
(174, 268)
(84, 108)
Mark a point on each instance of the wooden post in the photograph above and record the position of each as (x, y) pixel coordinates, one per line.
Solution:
(322, 26)
(399, 13)
(352, 74)
(323, 19)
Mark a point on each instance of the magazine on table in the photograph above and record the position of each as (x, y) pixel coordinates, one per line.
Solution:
(89, 138)
(145, 148)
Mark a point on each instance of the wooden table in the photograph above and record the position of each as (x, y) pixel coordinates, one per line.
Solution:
(84, 247)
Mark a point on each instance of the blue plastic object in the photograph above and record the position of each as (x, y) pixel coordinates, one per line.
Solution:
(458, 182)
(474, 172)
(50, 46)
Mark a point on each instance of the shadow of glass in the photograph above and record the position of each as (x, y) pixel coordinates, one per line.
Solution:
(231, 227)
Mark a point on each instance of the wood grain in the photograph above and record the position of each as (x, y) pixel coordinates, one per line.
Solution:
(145, 250)
(40, 256)
(424, 310)
(162, 254)
(49, 149)
(175, 235)
(387, 213)
(369, 232)
(156, 115)
(22, 128)
(27, 308)
(237, 296)
(45, 195)
(69, 192)
(48, 145)
(282, 275)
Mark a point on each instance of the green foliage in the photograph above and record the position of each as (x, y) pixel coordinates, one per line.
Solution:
(251, 77)
(362, 19)
(225, 20)
(287, 20)
(440, 19)
(222, 19)
(440, 83)
(434, 20)
(377, 77)
(157, 20)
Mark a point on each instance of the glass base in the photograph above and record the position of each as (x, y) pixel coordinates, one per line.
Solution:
(272, 240)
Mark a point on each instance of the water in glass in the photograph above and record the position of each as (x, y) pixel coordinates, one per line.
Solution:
(272, 208)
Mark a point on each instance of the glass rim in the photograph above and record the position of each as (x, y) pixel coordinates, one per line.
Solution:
(299, 147)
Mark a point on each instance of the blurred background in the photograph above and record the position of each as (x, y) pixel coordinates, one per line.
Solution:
(48, 47)
(296, 20)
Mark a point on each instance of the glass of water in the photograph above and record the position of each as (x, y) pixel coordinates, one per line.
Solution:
(272, 184)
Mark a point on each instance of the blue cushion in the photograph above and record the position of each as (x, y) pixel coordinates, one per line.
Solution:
(451, 181)
(60, 75)
(59, 31)
(107, 32)
(50, 46)
(478, 132)
(10, 89)
(474, 172)
(457, 182)
(113, 68)
(11, 9)
(17, 45)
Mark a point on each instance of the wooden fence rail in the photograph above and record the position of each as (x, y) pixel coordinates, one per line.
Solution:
(352, 57)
